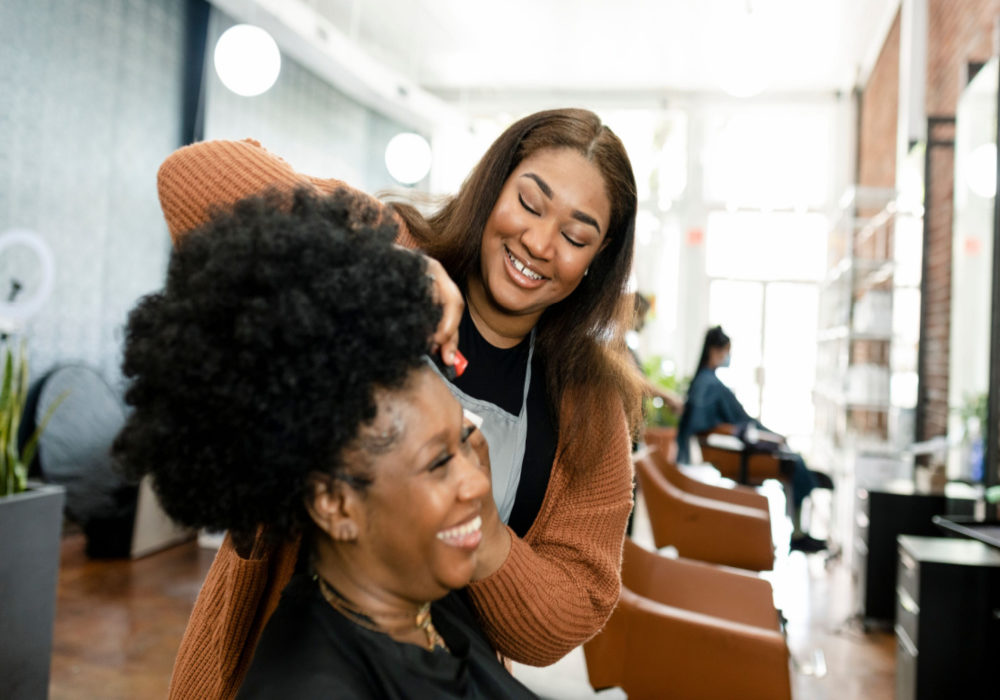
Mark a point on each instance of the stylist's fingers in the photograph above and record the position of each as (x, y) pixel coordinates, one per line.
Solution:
(447, 294)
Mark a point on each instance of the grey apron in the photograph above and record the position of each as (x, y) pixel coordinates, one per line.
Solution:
(505, 434)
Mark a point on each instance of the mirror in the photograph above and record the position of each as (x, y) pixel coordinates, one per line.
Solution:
(972, 275)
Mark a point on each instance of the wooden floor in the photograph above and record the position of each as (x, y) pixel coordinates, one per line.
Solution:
(119, 622)
(822, 633)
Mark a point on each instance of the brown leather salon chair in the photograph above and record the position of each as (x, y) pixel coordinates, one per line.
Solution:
(663, 439)
(737, 495)
(692, 631)
(738, 460)
(703, 528)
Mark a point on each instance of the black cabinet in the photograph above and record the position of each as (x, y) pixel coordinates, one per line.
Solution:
(947, 619)
(880, 516)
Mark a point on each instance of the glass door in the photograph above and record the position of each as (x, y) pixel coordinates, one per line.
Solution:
(738, 306)
(790, 323)
(764, 270)
(773, 331)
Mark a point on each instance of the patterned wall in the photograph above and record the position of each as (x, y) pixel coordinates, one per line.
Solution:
(89, 107)
(90, 104)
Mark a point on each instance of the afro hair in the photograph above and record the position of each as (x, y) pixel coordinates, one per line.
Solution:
(258, 362)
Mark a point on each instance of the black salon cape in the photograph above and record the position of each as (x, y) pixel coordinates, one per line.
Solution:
(309, 650)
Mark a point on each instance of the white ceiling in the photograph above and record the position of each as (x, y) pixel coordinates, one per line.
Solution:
(457, 47)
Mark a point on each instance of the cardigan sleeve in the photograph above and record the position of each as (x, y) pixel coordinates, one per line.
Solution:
(561, 582)
(196, 180)
(237, 598)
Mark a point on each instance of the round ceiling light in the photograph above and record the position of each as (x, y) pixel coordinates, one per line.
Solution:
(247, 60)
(408, 158)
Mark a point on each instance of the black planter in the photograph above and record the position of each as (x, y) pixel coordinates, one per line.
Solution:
(30, 531)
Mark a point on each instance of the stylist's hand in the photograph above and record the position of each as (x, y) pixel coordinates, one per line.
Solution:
(447, 294)
(495, 546)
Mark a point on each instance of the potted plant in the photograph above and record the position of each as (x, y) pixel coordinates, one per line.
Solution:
(31, 524)
(661, 419)
(973, 413)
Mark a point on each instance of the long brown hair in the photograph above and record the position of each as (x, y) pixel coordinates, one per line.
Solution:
(581, 338)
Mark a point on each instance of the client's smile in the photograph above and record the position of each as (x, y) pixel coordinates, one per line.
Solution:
(466, 535)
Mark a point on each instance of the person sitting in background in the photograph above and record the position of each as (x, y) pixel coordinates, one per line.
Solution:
(281, 379)
(710, 403)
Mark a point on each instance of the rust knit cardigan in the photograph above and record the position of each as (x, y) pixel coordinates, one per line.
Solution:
(557, 586)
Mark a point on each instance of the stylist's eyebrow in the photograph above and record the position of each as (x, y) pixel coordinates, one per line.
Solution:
(542, 184)
(577, 214)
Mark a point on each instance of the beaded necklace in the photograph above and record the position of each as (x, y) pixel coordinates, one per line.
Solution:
(422, 620)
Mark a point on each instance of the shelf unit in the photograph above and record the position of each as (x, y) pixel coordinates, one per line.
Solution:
(852, 392)
(865, 386)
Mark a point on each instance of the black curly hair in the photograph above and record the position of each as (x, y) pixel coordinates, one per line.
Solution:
(258, 362)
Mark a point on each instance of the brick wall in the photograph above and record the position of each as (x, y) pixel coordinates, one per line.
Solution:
(936, 302)
(959, 32)
(879, 110)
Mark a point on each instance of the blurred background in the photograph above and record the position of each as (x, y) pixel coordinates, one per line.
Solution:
(817, 176)
(745, 121)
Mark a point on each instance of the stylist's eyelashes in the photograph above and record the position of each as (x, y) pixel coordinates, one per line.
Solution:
(525, 205)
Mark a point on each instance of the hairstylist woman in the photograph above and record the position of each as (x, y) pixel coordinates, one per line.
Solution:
(286, 358)
(710, 402)
(539, 242)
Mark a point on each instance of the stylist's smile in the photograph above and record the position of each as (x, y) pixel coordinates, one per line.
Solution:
(526, 276)
(466, 536)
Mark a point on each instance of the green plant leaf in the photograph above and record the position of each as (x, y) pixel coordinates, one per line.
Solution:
(20, 470)
(31, 445)
(14, 463)
(661, 415)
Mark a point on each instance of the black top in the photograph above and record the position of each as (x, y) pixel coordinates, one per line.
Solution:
(497, 375)
(309, 650)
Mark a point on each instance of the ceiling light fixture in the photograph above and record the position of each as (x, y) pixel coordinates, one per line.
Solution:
(408, 158)
(247, 60)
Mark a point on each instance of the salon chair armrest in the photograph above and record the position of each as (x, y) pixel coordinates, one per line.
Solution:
(652, 650)
(736, 495)
(728, 593)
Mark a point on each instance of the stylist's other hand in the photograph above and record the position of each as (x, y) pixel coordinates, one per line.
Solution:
(495, 546)
(447, 294)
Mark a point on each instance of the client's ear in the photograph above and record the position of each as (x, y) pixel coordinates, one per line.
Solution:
(334, 506)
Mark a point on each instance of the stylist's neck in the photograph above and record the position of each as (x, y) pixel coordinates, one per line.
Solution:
(500, 328)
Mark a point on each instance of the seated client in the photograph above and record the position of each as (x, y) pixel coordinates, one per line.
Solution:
(710, 403)
(280, 379)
